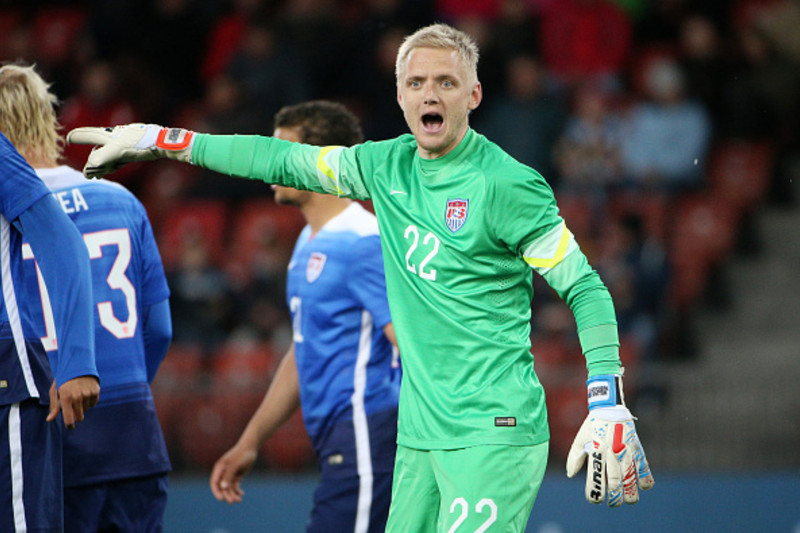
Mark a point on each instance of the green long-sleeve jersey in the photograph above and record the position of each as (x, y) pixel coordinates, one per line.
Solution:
(459, 235)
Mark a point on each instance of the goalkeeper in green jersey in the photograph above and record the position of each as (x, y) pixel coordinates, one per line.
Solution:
(461, 224)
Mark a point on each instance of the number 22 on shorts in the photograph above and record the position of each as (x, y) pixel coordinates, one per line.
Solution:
(461, 506)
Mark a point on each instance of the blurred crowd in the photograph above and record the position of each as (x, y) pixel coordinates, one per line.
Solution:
(662, 125)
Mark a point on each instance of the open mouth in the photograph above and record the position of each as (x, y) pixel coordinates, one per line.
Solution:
(432, 122)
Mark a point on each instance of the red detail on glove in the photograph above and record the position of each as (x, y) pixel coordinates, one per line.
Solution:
(618, 445)
(161, 141)
(629, 481)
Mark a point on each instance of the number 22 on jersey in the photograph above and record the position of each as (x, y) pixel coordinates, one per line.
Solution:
(116, 279)
(430, 243)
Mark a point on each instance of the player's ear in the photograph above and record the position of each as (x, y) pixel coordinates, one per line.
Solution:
(400, 98)
(476, 96)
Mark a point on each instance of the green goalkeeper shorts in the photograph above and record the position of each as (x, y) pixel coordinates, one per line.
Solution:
(482, 488)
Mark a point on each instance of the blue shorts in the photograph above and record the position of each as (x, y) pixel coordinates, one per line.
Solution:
(353, 496)
(30, 468)
(135, 504)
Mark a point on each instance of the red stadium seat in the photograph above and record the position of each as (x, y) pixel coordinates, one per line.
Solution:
(580, 212)
(262, 226)
(703, 231)
(183, 363)
(198, 221)
(179, 374)
(289, 449)
(629, 354)
(739, 173)
(651, 207)
(703, 235)
(553, 353)
(165, 183)
(210, 424)
(566, 411)
(9, 21)
(55, 33)
(244, 365)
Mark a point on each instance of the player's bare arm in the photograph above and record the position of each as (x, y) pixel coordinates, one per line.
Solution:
(280, 402)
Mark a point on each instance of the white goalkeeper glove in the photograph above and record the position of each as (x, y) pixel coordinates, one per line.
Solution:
(617, 464)
(132, 142)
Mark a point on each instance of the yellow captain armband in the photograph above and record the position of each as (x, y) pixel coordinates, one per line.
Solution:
(550, 249)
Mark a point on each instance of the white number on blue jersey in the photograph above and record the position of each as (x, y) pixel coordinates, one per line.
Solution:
(116, 280)
(295, 306)
(49, 340)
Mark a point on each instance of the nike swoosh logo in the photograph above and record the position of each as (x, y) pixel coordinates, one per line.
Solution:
(393, 192)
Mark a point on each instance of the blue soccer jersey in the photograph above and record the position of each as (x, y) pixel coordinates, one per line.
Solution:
(121, 437)
(336, 293)
(30, 455)
(24, 368)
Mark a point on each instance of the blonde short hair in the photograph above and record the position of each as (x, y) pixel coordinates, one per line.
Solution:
(27, 113)
(440, 36)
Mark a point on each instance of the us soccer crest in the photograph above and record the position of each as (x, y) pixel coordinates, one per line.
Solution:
(456, 213)
(315, 265)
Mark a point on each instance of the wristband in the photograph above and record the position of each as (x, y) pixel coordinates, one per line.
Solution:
(604, 391)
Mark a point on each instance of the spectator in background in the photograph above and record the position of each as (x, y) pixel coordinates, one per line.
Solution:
(222, 109)
(226, 36)
(527, 120)
(376, 92)
(763, 97)
(701, 59)
(201, 302)
(667, 135)
(316, 30)
(588, 153)
(661, 21)
(779, 21)
(119, 450)
(380, 15)
(515, 31)
(172, 50)
(98, 101)
(635, 264)
(271, 74)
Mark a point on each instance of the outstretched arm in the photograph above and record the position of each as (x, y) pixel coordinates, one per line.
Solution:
(280, 402)
(323, 169)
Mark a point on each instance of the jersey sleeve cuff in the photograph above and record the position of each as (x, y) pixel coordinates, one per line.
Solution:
(598, 337)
